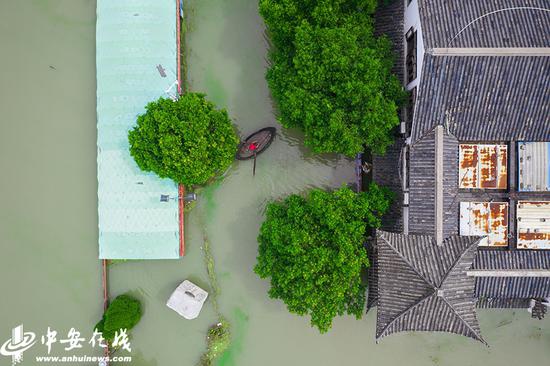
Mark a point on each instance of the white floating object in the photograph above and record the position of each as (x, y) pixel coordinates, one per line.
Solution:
(187, 300)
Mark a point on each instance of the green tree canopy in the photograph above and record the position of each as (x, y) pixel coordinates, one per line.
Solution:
(312, 249)
(330, 75)
(188, 140)
(124, 312)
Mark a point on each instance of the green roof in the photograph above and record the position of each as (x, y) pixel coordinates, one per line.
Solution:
(133, 37)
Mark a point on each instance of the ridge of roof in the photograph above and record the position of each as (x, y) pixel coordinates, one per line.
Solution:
(406, 260)
(462, 251)
(472, 246)
(477, 333)
(380, 335)
(489, 51)
(474, 241)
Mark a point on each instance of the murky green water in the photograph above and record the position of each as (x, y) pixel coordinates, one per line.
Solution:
(48, 222)
(49, 274)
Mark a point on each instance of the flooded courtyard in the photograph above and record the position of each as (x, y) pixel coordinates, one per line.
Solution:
(48, 196)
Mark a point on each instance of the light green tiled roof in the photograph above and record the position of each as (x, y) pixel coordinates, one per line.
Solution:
(132, 38)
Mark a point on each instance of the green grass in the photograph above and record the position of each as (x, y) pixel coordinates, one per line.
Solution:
(229, 357)
(218, 338)
(218, 341)
(210, 269)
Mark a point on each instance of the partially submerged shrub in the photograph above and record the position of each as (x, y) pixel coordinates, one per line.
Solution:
(124, 312)
(218, 341)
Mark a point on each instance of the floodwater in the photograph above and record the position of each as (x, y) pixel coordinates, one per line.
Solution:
(49, 274)
(49, 270)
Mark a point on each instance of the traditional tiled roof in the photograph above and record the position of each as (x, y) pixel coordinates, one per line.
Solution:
(496, 303)
(389, 21)
(424, 287)
(512, 287)
(372, 276)
(487, 23)
(385, 173)
(483, 94)
(485, 98)
(422, 186)
(517, 259)
(525, 287)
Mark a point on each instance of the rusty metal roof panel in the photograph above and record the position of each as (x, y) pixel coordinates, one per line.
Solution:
(468, 167)
(488, 219)
(483, 166)
(534, 166)
(533, 225)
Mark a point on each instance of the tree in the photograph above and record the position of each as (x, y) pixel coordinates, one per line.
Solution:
(312, 250)
(330, 75)
(188, 140)
(124, 312)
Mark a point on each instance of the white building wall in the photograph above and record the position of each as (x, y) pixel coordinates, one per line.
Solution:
(412, 19)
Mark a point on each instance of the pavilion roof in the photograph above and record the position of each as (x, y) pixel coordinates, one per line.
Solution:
(423, 286)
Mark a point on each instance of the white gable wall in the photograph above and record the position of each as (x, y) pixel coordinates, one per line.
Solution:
(412, 19)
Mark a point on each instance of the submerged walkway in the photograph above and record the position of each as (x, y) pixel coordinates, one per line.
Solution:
(137, 62)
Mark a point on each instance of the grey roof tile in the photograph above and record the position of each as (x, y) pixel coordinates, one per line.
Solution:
(424, 287)
(490, 303)
(512, 287)
(487, 23)
(485, 98)
(422, 185)
(385, 172)
(516, 259)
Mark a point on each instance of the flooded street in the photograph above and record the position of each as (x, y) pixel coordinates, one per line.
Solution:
(48, 216)
(48, 188)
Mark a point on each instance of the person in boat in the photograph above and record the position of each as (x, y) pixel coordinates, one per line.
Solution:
(256, 143)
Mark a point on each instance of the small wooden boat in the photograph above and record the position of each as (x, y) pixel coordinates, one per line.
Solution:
(256, 143)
